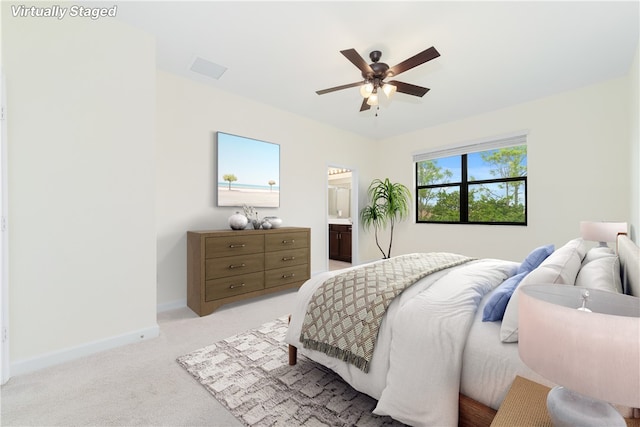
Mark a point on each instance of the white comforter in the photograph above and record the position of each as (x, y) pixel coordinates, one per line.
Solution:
(415, 370)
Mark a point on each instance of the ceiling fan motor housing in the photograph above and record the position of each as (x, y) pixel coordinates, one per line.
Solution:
(379, 68)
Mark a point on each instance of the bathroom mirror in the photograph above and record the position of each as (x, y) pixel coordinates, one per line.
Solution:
(339, 195)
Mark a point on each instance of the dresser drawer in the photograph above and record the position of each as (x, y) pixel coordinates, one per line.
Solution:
(223, 246)
(234, 285)
(286, 258)
(282, 276)
(290, 240)
(233, 265)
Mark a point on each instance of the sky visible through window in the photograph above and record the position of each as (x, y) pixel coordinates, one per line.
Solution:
(477, 168)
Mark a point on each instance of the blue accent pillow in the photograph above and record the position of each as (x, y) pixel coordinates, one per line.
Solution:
(535, 258)
(497, 304)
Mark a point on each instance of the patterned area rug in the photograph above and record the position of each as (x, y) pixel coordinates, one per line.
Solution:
(249, 374)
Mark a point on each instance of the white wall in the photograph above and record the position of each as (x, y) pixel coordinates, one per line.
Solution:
(4, 292)
(189, 114)
(81, 141)
(578, 169)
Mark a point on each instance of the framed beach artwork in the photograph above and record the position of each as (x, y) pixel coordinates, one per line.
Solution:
(248, 172)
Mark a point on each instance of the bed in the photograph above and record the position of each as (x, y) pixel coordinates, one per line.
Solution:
(435, 361)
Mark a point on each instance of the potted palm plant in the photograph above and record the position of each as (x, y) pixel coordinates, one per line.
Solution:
(390, 202)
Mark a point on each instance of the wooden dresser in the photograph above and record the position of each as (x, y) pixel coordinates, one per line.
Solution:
(230, 265)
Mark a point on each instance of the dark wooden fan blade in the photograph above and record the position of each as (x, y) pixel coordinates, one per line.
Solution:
(357, 60)
(409, 88)
(333, 89)
(414, 61)
(364, 106)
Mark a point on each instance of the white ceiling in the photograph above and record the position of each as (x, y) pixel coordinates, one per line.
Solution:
(493, 54)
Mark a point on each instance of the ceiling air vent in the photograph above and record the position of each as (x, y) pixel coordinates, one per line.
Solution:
(207, 68)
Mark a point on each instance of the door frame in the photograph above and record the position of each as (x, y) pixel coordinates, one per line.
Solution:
(355, 217)
(4, 243)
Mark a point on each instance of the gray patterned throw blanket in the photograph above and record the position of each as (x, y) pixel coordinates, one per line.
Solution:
(345, 312)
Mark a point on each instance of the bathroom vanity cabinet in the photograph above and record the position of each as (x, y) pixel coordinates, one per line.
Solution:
(340, 242)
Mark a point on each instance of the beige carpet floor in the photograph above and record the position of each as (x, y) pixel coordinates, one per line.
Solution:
(139, 384)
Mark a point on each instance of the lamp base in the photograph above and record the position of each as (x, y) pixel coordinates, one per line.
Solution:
(569, 409)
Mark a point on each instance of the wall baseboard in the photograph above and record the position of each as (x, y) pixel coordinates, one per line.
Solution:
(54, 358)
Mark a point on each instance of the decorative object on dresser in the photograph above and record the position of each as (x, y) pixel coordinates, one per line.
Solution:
(592, 354)
(273, 220)
(237, 221)
(252, 215)
(226, 265)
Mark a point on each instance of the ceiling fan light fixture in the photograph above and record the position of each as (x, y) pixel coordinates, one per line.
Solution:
(389, 89)
(373, 99)
(366, 89)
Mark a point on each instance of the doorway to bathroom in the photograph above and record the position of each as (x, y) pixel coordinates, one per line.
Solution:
(342, 217)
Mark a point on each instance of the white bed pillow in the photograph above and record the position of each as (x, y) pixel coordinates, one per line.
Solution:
(561, 267)
(601, 273)
(598, 252)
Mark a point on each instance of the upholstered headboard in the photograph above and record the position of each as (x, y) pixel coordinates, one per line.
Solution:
(629, 255)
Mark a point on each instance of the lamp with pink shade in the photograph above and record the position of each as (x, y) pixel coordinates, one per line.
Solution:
(593, 354)
(602, 231)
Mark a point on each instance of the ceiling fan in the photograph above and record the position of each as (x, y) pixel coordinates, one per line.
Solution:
(374, 75)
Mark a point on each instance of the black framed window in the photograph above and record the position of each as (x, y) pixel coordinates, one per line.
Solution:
(475, 187)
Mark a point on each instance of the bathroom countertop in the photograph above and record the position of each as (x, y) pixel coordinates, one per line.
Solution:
(345, 221)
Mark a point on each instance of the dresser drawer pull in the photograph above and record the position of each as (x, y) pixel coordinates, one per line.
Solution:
(291, 258)
(232, 266)
(233, 245)
(241, 285)
(286, 276)
(288, 242)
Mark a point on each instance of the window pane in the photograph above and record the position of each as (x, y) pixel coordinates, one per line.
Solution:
(498, 202)
(439, 204)
(439, 171)
(510, 162)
